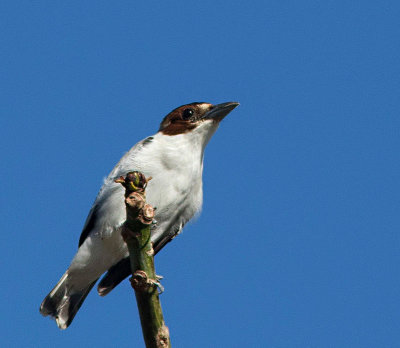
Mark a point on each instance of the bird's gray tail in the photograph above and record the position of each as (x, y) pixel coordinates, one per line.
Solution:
(61, 304)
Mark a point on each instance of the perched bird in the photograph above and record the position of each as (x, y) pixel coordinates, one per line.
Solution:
(173, 157)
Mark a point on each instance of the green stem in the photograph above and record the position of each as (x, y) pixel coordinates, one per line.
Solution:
(136, 233)
(155, 332)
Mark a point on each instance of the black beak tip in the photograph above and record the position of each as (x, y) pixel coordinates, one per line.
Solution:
(229, 105)
(219, 111)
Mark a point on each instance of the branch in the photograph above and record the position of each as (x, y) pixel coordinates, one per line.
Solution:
(136, 233)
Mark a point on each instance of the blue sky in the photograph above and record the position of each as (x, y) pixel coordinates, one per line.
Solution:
(298, 241)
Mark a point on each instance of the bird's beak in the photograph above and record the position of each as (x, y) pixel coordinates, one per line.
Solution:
(219, 111)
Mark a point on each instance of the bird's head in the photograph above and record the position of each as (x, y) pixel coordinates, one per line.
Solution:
(195, 117)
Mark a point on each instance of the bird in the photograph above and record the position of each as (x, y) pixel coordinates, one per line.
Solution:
(173, 157)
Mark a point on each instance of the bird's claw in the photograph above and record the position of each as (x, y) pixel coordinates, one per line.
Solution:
(157, 283)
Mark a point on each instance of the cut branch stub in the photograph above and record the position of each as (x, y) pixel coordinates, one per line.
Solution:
(136, 201)
(140, 281)
(146, 215)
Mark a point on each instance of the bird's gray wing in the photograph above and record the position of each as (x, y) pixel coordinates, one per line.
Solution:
(115, 275)
(89, 224)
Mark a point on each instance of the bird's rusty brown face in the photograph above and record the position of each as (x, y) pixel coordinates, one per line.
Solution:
(187, 117)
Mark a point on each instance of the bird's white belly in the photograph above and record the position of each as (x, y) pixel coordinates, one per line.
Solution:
(176, 202)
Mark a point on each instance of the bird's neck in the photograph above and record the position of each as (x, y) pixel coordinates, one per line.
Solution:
(188, 146)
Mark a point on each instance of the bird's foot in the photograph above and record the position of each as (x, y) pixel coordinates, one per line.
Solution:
(158, 284)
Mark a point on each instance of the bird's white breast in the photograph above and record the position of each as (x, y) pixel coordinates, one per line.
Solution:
(175, 164)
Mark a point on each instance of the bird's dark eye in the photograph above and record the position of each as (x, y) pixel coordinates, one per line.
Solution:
(187, 114)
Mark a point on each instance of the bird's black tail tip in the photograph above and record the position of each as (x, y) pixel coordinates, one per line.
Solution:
(62, 305)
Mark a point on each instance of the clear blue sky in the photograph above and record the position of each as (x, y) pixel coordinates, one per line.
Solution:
(298, 241)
